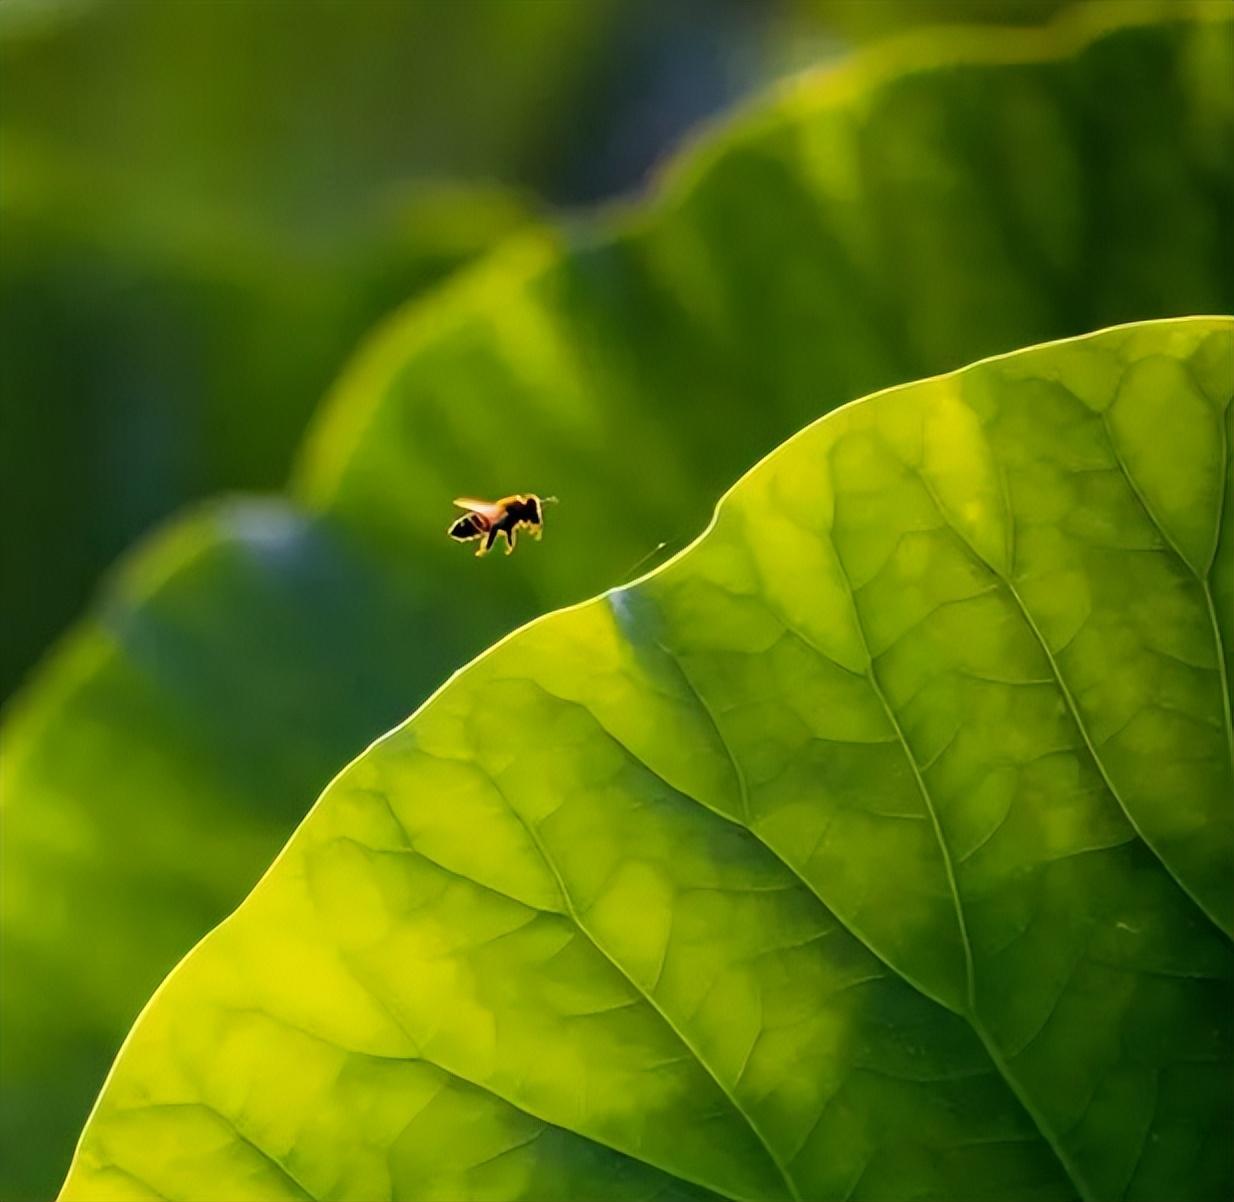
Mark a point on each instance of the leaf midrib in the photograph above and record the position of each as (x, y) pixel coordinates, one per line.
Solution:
(1060, 679)
(1202, 579)
(970, 1013)
(1073, 1174)
(724, 1192)
(572, 912)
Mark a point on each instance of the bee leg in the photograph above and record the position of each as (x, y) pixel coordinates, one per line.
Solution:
(487, 545)
(537, 532)
(510, 536)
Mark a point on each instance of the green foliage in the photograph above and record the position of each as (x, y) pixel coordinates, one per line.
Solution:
(924, 205)
(803, 256)
(876, 847)
(865, 21)
(153, 365)
(204, 206)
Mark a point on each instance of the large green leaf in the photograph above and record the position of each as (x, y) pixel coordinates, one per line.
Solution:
(873, 848)
(808, 254)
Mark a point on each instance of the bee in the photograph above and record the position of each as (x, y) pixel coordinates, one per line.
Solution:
(487, 519)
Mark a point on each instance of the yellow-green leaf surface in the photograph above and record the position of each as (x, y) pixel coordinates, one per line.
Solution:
(928, 203)
(878, 846)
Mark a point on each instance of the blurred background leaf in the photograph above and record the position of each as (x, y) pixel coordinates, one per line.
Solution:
(149, 373)
(205, 204)
(936, 201)
(865, 21)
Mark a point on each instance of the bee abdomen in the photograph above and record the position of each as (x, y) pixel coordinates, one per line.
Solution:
(470, 525)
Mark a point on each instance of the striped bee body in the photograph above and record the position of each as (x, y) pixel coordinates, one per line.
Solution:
(488, 519)
(469, 526)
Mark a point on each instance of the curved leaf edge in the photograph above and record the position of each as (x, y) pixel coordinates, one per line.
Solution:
(663, 567)
(170, 541)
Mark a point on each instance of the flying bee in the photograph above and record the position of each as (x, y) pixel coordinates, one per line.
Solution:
(487, 519)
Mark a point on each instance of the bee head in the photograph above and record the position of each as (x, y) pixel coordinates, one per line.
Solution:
(529, 508)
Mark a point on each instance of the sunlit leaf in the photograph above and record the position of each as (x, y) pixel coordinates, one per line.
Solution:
(634, 366)
(876, 847)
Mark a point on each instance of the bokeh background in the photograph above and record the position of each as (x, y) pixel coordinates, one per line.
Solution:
(205, 203)
(208, 206)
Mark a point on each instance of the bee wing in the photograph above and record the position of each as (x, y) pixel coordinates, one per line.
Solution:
(488, 509)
